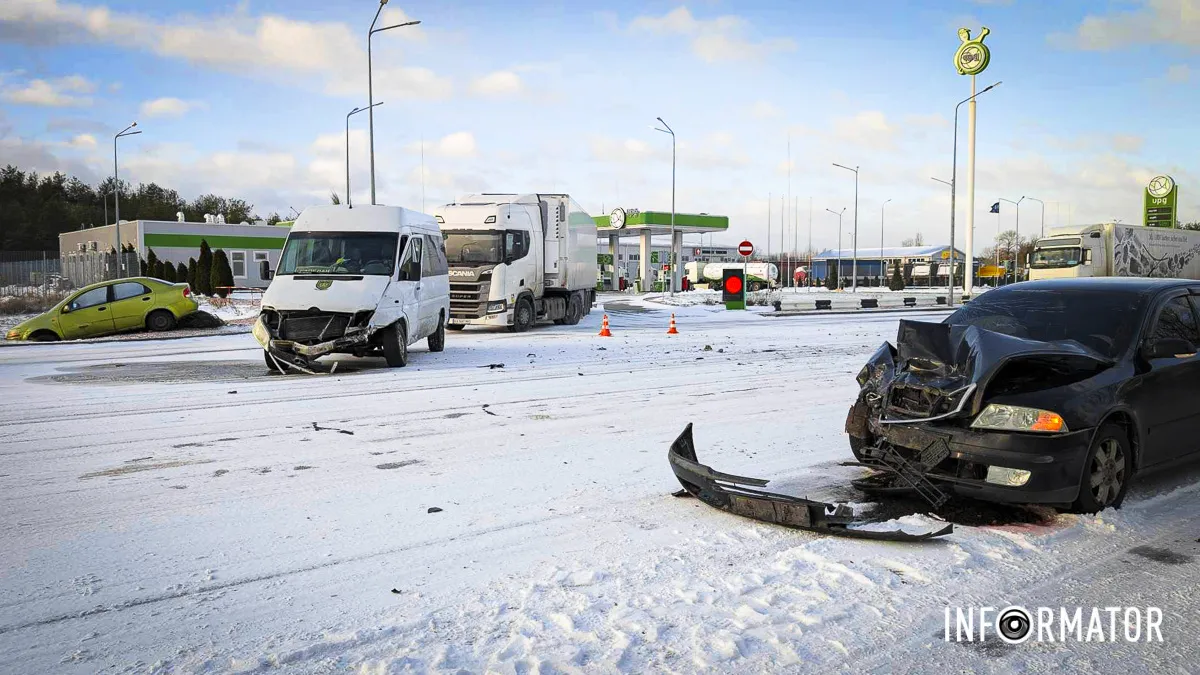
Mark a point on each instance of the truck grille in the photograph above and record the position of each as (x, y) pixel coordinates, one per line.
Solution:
(468, 299)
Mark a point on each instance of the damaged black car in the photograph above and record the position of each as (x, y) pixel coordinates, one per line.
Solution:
(1052, 392)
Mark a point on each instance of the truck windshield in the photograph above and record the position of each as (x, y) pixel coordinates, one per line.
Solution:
(1044, 258)
(372, 253)
(474, 248)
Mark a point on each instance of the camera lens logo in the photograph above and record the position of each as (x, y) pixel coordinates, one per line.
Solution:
(1014, 625)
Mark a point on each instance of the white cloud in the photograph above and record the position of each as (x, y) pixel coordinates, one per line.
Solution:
(62, 92)
(720, 39)
(499, 83)
(1179, 73)
(764, 110)
(1174, 22)
(83, 142)
(1127, 143)
(168, 107)
(870, 128)
(268, 45)
(460, 144)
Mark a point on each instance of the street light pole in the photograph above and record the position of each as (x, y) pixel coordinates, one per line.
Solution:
(370, 88)
(1016, 204)
(1043, 205)
(117, 192)
(953, 190)
(882, 264)
(854, 269)
(349, 203)
(672, 256)
(839, 252)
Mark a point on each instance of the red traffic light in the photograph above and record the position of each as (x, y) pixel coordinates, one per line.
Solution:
(733, 285)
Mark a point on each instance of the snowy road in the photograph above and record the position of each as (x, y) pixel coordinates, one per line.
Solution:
(166, 506)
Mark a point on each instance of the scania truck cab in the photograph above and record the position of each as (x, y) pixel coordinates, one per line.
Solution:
(516, 259)
(362, 280)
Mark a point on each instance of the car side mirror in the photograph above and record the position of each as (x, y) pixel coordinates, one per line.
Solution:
(66, 309)
(1167, 348)
(264, 270)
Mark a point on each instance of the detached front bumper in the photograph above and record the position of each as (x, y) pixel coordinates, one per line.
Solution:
(1054, 462)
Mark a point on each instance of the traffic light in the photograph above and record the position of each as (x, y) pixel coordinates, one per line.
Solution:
(733, 285)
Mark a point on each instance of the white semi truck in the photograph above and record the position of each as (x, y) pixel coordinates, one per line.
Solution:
(516, 259)
(1116, 250)
(759, 275)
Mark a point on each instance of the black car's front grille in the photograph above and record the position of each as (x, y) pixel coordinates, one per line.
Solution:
(912, 402)
(313, 327)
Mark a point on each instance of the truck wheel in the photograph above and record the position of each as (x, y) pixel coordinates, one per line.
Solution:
(395, 345)
(1106, 472)
(574, 310)
(437, 341)
(522, 317)
(160, 320)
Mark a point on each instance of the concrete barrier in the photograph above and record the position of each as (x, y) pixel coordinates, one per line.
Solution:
(870, 303)
(824, 304)
(910, 302)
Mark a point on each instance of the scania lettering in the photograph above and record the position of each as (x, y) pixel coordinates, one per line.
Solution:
(517, 259)
(365, 280)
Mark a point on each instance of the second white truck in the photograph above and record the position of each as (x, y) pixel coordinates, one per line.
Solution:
(1116, 250)
(516, 259)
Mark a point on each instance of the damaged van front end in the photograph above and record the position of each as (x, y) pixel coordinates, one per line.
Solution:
(953, 409)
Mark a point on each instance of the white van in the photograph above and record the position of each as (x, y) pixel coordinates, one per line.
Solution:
(355, 281)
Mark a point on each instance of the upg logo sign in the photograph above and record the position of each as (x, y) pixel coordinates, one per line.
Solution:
(324, 284)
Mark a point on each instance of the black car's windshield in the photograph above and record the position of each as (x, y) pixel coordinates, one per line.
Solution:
(371, 253)
(1044, 258)
(1103, 320)
(474, 248)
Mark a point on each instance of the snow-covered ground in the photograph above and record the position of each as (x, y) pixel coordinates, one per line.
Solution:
(165, 506)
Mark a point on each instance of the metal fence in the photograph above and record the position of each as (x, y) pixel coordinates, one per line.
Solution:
(43, 273)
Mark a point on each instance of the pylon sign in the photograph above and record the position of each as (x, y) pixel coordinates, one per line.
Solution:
(733, 288)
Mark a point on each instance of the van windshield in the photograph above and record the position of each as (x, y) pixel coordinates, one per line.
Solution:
(371, 253)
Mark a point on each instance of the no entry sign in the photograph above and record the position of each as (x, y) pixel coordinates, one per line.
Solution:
(746, 249)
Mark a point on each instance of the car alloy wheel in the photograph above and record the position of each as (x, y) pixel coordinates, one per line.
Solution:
(1107, 472)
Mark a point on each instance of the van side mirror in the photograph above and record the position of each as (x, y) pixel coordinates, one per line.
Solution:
(1087, 256)
(264, 270)
(1167, 348)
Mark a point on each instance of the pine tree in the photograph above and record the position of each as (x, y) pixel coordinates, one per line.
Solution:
(152, 266)
(191, 275)
(143, 267)
(221, 275)
(181, 273)
(897, 282)
(204, 269)
(830, 277)
(168, 271)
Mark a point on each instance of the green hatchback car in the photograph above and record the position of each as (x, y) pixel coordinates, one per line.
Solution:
(111, 307)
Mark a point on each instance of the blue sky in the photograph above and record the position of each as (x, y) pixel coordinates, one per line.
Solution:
(249, 100)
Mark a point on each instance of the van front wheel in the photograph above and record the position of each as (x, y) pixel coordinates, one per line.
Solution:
(395, 345)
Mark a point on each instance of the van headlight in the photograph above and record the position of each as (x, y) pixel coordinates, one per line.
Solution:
(260, 333)
(1016, 418)
(497, 306)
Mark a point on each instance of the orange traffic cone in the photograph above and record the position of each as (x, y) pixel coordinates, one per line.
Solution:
(604, 332)
(671, 330)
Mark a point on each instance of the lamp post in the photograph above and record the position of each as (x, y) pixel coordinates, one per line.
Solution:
(882, 264)
(671, 256)
(839, 255)
(370, 88)
(854, 269)
(349, 203)
(1017, 205)
(1043, 205)
(953, 189)
(117, 191)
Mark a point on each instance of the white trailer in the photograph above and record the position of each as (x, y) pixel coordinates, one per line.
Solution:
(516, 259)
(759, 275)
(1116, 250)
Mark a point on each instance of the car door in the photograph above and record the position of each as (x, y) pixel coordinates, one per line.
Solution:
(407, 287)
(87, 315)
(131, 301)
(1169, 387)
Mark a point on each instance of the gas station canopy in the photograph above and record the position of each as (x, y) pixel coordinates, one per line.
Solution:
(636, 222)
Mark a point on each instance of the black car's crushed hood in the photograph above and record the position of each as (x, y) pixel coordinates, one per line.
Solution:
(939, 370)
